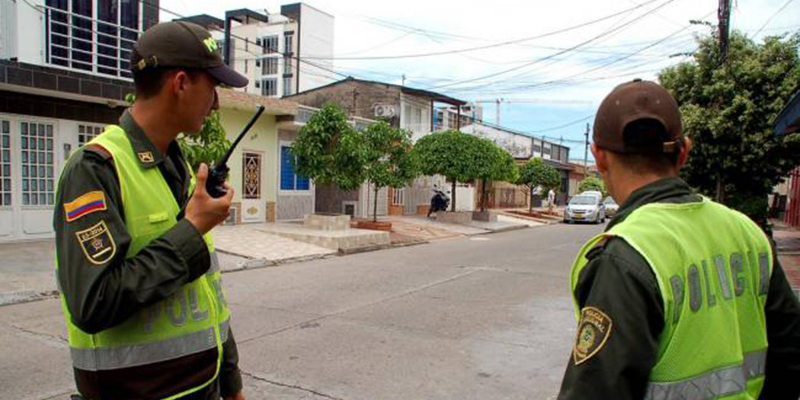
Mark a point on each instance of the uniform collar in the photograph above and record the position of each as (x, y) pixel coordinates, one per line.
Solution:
(666, 190)
(146, 152)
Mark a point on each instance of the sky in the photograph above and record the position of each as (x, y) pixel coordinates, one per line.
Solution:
(551, 62)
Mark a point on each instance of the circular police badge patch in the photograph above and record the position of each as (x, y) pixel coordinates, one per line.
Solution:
(593, 331)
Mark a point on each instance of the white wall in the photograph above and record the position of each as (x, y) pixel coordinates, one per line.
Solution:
(518, 145)
(316, 40)
(419, 127)
(8, 29)
(30, 45)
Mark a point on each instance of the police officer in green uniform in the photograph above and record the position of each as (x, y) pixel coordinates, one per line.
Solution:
(138, 276)
(680, 298)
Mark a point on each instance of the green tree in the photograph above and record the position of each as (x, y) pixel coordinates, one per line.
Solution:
(538, 174)
(452, 154)
(207, 146)
(330, 151)
(592, 182)
(728, 112)
(389, 160)
(498, 165)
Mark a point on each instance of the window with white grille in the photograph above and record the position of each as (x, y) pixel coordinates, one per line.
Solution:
(287, 85)
(399, 197)
(270, 45)
(269, 87)
(287, 44)
(5, 163)
(37, 160)
(88, 132)
(269, 66)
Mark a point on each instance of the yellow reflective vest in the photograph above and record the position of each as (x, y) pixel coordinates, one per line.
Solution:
(192, 320)
(713, 267)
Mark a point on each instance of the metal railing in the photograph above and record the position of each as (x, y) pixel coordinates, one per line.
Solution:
(80, 43)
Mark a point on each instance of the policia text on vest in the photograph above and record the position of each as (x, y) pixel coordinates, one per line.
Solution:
(723, 268)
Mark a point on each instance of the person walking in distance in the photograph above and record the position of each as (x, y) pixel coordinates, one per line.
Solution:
(680, 297)
(138, 277)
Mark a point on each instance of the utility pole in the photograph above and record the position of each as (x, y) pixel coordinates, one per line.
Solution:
(497, 111)
(724, 15)
(586, 154)
(404, 80)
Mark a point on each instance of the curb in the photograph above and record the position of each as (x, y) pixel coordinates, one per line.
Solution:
(26, 296)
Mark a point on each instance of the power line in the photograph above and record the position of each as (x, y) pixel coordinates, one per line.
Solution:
(553, 55)
(786, 4)
(606, 64)
(555, 128)
(506, 43)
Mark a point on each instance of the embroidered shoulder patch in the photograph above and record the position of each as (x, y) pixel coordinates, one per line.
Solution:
(97, 243)
(84, 205)
(593, 332)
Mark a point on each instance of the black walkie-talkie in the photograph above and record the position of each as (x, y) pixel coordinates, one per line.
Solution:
(216, 176)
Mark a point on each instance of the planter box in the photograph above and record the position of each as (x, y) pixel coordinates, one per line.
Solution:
(485, 216)
(458, 217)
(375, 226)
(327, 222)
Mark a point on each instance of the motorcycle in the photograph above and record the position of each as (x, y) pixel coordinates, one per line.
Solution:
(439, 202)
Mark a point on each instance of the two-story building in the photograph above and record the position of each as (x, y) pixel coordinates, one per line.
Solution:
(64, 73)
(522, 147)
(402, 106)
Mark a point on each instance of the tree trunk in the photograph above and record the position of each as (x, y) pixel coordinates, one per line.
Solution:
(483, 195)
(453, 206)
(720, 196)
(375, 208)
(530, 201)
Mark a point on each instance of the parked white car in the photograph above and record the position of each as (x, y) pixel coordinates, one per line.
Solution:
(611, 207)
(585, 207)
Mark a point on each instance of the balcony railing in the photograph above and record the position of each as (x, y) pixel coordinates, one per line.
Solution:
(84, 44)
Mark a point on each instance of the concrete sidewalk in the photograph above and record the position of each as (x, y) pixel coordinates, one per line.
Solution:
(787, 244)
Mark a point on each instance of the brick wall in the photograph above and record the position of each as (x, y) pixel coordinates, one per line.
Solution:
(38, 77)
(52, 107)
(355, 98)
(53, 79)
(329, 198)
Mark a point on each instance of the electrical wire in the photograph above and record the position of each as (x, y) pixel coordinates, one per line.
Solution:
(786, 4)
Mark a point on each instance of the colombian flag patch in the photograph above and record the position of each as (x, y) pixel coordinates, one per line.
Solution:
(86, 204)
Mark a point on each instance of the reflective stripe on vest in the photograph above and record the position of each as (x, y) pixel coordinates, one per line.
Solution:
(147, 353)
(713, 384)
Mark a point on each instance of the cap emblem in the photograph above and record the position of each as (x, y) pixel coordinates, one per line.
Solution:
(211, 44)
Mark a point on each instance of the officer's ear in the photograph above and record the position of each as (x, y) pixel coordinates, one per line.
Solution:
(683, 156)
(600, 159)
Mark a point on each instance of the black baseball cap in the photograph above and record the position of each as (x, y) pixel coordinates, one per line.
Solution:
(184, 44)
(635, 101)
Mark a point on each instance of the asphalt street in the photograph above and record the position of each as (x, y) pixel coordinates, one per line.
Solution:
(484, 317)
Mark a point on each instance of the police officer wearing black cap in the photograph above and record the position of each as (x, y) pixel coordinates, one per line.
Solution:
(138, 278)
(680, 298)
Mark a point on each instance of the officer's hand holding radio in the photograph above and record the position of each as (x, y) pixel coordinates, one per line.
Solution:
(204, 211)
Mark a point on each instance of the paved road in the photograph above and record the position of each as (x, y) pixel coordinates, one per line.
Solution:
(486, 317)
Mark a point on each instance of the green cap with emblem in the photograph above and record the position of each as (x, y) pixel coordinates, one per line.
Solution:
(182, 44)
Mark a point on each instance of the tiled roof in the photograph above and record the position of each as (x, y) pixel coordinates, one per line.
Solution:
(232, 99)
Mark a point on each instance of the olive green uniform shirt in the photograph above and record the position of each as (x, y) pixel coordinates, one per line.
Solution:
(100, 297)
(619, 282)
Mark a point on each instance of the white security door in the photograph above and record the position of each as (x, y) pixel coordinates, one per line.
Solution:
(7, 224)
(37, 160)
(252, 205)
